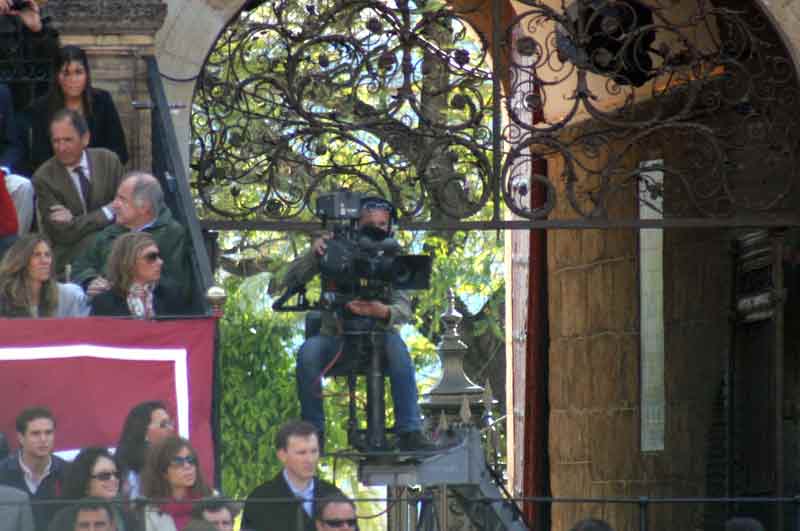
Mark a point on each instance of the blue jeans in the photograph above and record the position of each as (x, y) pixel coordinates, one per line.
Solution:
(318, 351)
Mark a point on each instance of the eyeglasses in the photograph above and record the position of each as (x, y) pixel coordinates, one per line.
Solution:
(105, 476)
(340, 522)
(152, 256)
(166, 425)
(180, 460)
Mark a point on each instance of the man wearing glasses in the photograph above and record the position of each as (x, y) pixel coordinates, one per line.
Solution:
(319, 352)
(139, 206)
(338, 512)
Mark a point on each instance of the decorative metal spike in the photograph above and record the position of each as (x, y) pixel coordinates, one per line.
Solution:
(443, 426)
(488, 398)
(465, 413)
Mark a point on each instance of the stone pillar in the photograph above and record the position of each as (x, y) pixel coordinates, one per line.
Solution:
(117, 35)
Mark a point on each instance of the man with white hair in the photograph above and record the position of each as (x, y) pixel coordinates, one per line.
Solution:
(138, 206)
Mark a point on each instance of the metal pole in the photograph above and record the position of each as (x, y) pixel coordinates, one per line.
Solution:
(643, 504)
(376, 420)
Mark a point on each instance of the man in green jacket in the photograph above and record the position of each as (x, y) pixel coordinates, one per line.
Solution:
(139, 206)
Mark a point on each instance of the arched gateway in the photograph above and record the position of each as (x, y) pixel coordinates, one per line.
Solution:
(656, 363)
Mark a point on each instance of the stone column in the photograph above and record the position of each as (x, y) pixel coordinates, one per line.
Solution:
(116, 35)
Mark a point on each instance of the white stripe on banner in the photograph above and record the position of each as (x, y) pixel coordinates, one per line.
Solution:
(178, 356)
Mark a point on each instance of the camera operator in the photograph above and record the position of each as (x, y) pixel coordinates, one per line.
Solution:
(317, 353)
(26, 36)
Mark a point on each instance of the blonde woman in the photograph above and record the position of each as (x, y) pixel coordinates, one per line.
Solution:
(28, 287)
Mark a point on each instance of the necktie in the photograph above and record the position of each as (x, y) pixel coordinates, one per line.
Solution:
(86, 187)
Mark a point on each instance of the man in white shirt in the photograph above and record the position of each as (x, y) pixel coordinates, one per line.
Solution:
(34, 469)
(75, 188)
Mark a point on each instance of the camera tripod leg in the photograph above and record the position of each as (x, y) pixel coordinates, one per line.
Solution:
(376, 408)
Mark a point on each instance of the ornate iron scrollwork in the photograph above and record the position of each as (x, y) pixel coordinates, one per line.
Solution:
(416, 101)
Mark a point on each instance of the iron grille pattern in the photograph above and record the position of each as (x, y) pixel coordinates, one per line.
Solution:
(454, 110)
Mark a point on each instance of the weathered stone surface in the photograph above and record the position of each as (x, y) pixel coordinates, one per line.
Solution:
(569, 433)
(574, 300)
(600, 283)
(107, 16)
(614, 445)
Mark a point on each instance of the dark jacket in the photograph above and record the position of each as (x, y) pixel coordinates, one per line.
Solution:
(173, 244)
(54, 185)
(286, 516)
(12, 136)
(18, 44)
(105, 128)
(11, 474)
(166, 301)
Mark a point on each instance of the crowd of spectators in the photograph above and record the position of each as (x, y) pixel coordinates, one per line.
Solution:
(67, 199)
(153, 482)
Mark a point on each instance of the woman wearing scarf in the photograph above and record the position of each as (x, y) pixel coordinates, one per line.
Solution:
(134, 271)
(172, 482)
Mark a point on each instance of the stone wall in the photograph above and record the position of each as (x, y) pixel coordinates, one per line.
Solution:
(594, 441)
(117, 36)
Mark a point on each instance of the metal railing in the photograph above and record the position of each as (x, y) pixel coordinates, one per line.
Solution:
(439, 509)
(170, 168)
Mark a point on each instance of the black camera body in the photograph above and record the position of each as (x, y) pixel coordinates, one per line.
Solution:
(360, 262)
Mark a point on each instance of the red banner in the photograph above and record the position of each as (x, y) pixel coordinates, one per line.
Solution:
(90, 372)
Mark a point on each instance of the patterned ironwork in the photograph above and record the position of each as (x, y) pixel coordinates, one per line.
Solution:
(452, 118)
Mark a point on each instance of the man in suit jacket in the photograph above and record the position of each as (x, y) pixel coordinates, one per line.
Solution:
(15, 510)
(75, 188)
(298, 450)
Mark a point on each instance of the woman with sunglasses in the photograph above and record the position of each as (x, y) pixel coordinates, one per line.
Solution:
(94, 474)
(172, 480)
(146, 425)
(134, 271)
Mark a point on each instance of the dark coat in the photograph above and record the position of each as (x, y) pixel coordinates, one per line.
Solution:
(286, 516)
(12, 135)
(105, 128)
(18, 43)
(11, 474)
(54, 185)
(173, 244)
(166, 301)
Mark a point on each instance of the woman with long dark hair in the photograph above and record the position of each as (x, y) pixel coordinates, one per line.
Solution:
(146, 424)
(28, 286)
(94, 474)
(72, 89)
(173, 480)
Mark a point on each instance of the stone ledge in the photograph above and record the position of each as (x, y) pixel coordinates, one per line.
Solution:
(107, 17)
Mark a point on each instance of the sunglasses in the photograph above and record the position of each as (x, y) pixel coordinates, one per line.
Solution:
(180, 460)
(152, 256)
(340, 522)
(105, 476)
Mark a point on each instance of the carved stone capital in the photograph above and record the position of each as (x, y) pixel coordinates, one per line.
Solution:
(106, 17)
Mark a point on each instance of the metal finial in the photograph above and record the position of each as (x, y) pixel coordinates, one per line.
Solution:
(216, 298)
(488, 399)
(465, 413)
(451, 317)
(443, 425)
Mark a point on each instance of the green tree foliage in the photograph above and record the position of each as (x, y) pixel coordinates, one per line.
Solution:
(258, 390)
